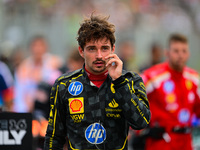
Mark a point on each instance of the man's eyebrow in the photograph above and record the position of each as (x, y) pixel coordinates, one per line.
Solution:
(105, 46)
(90, 46)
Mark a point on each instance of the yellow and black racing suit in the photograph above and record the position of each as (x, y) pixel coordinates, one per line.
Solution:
(88, 117)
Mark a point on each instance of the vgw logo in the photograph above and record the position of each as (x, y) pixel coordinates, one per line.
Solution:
(95, 133)
(16, 129)
(75, 88)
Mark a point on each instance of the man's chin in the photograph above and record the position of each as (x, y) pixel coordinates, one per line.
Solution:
(179, 67)
(99, 70)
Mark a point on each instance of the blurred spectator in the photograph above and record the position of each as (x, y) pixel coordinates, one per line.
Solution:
(127, 55)
(39, 66)
(6, 88)
(40, 114)
(6, 49)
(16, 57)
(11, 55)
(74, 62)
(42, 103)
(172, 90)
(156, 57)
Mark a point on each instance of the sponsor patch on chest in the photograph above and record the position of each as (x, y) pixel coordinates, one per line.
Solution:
(168, 86)
(76, 105)
(75, 88)
(95, 133)
(184, 115)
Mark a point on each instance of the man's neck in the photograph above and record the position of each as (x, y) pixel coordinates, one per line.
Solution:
(176, 68)
(97, 79)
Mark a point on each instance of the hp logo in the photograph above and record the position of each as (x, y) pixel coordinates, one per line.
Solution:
(95, 133)
(75, 88)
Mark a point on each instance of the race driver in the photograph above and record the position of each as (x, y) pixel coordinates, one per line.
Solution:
(172, 90)
(93, 108)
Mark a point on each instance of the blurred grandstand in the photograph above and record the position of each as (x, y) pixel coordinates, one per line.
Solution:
(141, 21)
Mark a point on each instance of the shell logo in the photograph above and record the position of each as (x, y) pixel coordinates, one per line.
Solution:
(76, 105)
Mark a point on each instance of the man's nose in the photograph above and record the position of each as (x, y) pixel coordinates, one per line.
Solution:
(99, 54)
(181, 54)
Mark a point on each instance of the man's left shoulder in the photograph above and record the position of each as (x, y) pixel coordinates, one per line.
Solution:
(70, 75)
(130, 74)
(191, 71)
(191, 74)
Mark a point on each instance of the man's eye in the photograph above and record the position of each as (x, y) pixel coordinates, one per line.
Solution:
(176, 50)
(184, 51)
(105, 48)
(91, 49)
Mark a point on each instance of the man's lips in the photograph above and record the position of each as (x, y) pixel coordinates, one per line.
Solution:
(99, 63)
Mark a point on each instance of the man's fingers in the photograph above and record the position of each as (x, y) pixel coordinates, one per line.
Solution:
(111, 62)
(110, 56)
(113, 59)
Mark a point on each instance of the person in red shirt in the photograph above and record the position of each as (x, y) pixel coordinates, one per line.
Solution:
(172, 90)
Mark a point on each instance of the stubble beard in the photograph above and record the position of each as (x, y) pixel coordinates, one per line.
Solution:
(178, 66)
(99, 70)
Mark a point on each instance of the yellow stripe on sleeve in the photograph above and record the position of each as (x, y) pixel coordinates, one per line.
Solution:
(54, 126)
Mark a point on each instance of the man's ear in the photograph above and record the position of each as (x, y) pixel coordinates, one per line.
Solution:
(113, 49)
(81, 51)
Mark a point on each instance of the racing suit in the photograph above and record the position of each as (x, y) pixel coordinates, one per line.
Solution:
(174, 98)
(95, 118)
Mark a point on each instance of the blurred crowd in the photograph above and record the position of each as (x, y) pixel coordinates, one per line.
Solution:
(26, 81)
(37, 45)
(142, 21)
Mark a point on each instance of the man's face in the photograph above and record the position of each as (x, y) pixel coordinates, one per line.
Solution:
(94, 53)
(38, 48)
(178, 55)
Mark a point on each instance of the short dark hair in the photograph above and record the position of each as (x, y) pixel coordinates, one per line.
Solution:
(177, 37)
(37, 38)
(95, 28)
